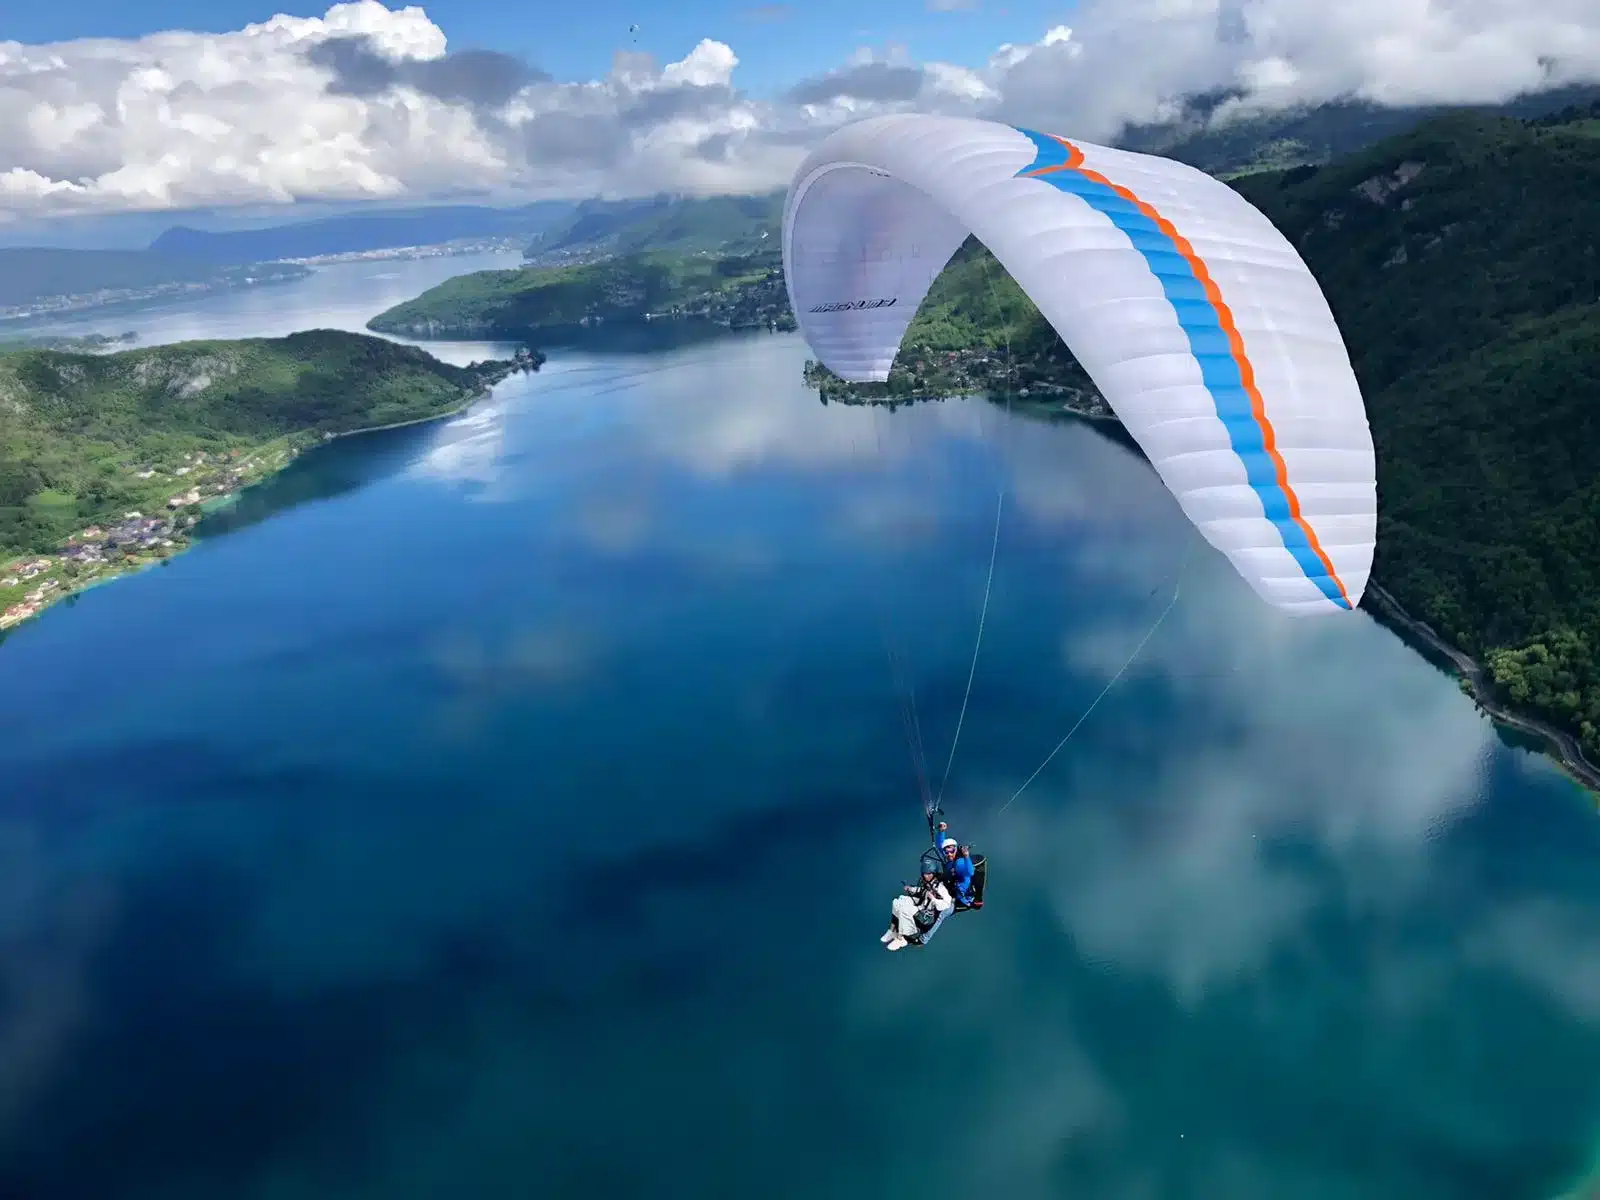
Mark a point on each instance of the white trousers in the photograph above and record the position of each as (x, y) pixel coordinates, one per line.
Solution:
(903, 914)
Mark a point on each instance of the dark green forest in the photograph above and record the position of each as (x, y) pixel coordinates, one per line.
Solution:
(1470, 300)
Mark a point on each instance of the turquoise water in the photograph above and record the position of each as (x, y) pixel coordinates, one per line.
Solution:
(512, 806)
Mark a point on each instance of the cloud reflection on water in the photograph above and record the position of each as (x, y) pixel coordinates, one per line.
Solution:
(1306, 773)
(1242, 907)
(1296, 741)
(469, 450)
(1320, 779)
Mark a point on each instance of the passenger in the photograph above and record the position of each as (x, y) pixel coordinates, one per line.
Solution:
(930, 895)
(958, 867)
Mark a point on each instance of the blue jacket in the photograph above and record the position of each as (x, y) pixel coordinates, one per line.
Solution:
(960, 869)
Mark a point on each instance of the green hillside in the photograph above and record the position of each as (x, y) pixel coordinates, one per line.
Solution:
(735, 290)
(1470, 299)
(975, 330)
(87, 436)
(684, 225)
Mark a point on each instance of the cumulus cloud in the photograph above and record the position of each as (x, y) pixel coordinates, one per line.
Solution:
(880, 82)
(368, 102)
(484, 78)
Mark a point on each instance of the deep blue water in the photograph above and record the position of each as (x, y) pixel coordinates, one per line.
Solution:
(511, 807)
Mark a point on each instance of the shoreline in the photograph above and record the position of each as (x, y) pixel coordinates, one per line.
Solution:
(481, 392)
(1012, 403)
(333, 437)
(1558, 744)
(226, 499)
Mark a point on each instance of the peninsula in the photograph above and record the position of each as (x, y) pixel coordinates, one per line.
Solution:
(1460, 262)
(537, 303)
(107, 459)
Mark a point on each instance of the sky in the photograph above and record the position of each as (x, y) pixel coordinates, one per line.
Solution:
(776, 43)
(117, 107)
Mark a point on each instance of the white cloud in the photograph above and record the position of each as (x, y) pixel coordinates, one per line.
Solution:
(368, 102)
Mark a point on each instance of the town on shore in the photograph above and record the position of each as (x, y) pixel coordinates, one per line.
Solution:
(103, 551)
(1037, 383)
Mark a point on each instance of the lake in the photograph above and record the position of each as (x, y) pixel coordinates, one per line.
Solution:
(511, 806)
(336, 296)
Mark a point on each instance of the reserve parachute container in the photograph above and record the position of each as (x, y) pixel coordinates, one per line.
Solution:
(1195, 318)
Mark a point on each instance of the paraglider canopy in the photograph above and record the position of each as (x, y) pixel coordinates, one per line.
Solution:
(1195, 318)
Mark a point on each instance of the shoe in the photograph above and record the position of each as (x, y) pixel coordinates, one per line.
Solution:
(896, 943)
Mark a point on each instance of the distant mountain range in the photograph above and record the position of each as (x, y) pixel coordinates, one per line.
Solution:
(360, 232)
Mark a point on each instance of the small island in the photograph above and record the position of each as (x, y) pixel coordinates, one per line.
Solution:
(738, 291)
(1459, 259)
(107, 460)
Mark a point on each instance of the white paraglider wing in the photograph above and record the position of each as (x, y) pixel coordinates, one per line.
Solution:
(1194, 316)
